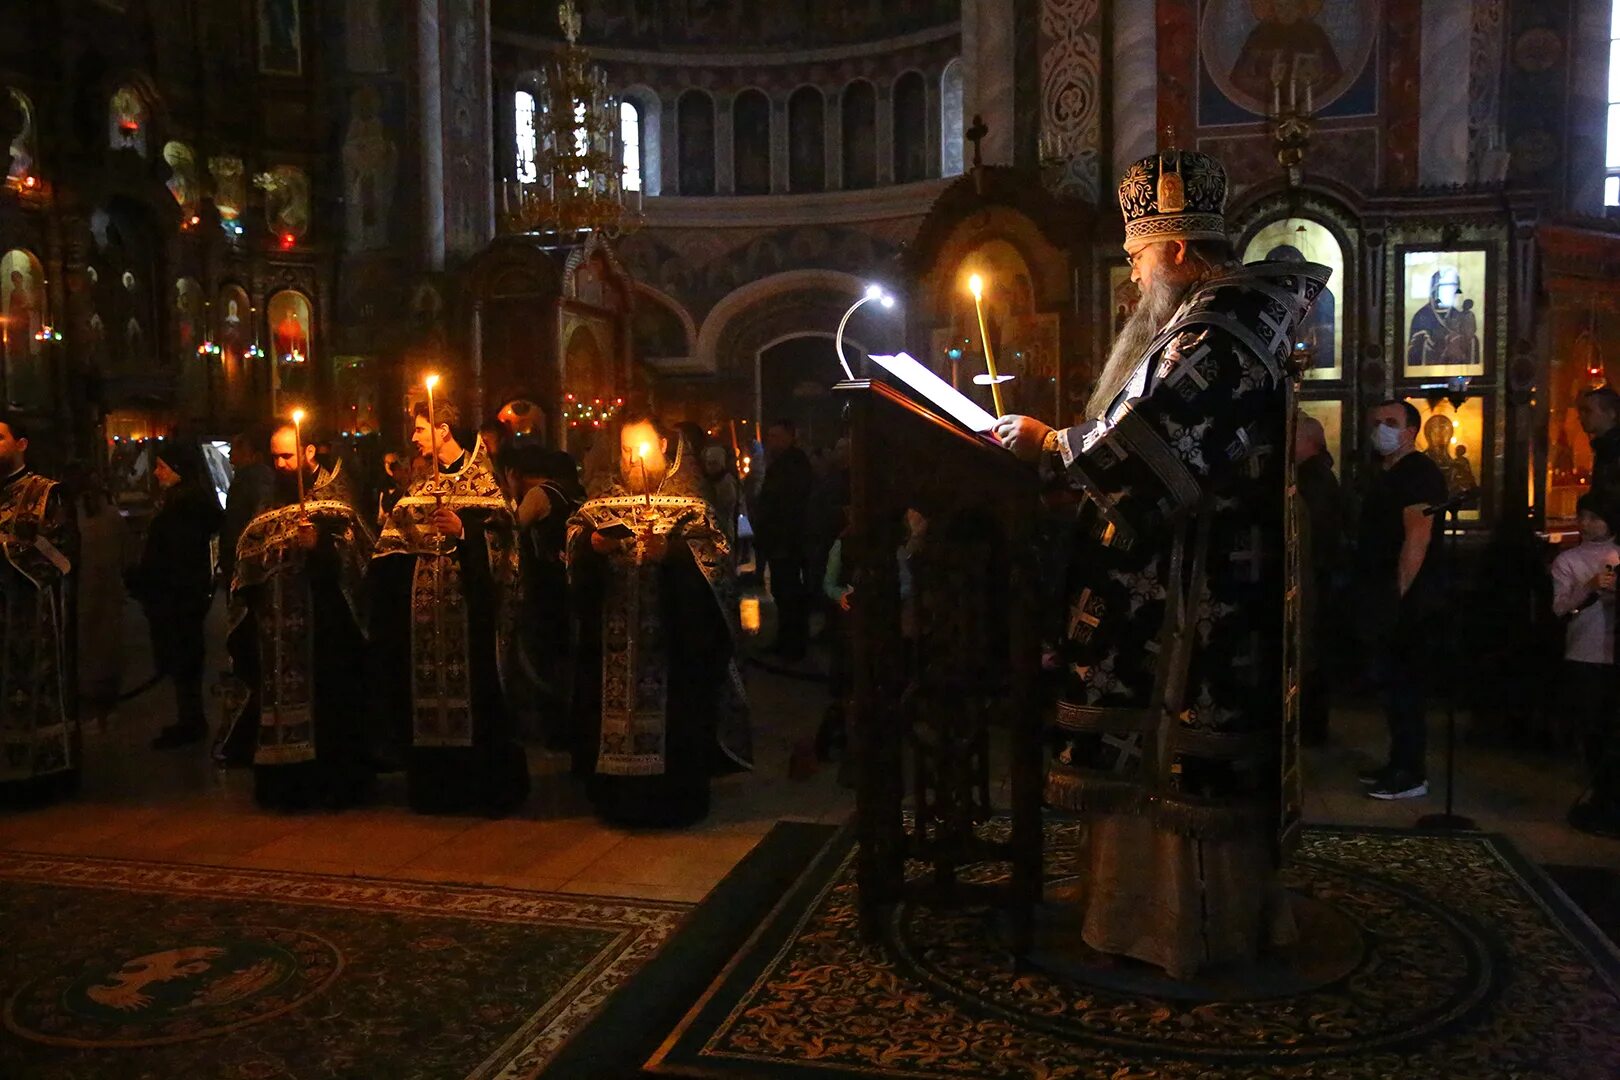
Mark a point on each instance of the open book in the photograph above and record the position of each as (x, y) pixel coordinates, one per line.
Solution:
(935, 390)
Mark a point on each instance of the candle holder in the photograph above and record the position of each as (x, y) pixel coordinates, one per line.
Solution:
(1291, 123)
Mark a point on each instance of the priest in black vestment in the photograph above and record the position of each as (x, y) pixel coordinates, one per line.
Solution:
(39, 734)
(659, 704)
(296, 637)
(444, 580)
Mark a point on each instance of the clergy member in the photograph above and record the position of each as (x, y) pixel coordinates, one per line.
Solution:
(296, 636)
(444, 593)
(1175, 714)
(39, 738)
(659, 702)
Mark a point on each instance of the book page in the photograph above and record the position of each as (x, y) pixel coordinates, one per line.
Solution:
(941, 394)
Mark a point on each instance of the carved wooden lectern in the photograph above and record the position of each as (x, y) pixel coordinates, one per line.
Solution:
(932, 694)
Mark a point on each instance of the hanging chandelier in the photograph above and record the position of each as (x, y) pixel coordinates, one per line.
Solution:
(573, 184)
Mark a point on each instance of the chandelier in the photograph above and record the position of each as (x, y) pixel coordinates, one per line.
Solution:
(573, 184)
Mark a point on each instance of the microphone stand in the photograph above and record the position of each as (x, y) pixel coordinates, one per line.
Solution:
(1447, 512)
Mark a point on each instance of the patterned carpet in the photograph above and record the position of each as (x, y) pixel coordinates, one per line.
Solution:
(1422, 956)
(113, 968)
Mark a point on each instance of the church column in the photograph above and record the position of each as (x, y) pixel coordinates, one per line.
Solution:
(468, 168)
(779, 146)
(1135, 81)
(1443, 120)
(669, 154)
(885, 133)
(833, 125)
(725, 147)
(931, 118)
(431, 133)
(988, 47)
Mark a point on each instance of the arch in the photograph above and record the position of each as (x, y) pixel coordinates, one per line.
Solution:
(694, 137)
(654, 330)
(910, 143)
(951, 120)
(24, 303)
(650, 110)
(858, 105)
(807, 140)
(751, 142)
(788, 301)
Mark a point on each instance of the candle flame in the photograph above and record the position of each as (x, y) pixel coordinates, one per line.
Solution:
(298, 416)
(430, 382)
(976, 286)
(644, 449)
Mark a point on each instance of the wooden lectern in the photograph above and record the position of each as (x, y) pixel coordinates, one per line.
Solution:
(971, 663)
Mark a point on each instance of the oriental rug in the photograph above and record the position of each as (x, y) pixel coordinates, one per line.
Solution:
(1422, 956)
(115, 968)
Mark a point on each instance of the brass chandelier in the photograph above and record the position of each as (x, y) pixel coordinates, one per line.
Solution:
(574, 185)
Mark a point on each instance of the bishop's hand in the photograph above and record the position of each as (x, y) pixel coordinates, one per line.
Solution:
(1023, 435)
(448, 522)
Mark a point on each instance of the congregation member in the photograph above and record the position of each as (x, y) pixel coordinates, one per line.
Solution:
(782, 535)
(251, 491)
(1173, 715)
(1598, 410)
(39, 735)
(658, 700)
(1399, 588)
(1583, 594)
(395, 480)
(295, 636)
(444, 591)
(724, 491)
(1321, 539)
(174, 582)
(545, 483)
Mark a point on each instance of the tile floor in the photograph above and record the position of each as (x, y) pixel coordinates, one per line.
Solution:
(174, 806)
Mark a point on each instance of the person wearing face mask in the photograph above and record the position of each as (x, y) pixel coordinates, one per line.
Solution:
(1398, 573)
(1583, 592)
(174, 581)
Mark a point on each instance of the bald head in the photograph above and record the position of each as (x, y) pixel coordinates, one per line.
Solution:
(1309, 438)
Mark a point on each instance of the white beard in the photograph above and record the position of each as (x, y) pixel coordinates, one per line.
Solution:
(1151, 314)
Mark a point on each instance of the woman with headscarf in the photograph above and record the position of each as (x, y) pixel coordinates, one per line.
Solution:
(174, 581)
(658, 703)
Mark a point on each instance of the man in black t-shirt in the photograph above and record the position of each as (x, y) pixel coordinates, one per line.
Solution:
(1398, 569)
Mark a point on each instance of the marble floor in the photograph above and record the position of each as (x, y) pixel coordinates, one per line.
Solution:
(175, 806)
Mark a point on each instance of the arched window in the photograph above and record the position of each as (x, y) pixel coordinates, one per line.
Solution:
(951, 123)
(22, 302)
(527, 139)
(751, 142)
(694, 121)
(126, 121)
(22, 143)
(860, 135)
(630, 144)
(807, 141)
(910, 130)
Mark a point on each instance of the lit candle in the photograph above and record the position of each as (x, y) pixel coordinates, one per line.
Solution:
(976, 286)
(646, 485)
(298, 453)
(433, 428)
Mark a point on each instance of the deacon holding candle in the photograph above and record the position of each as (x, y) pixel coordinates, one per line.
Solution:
(445, 581)
(658, 702)
(296, 635)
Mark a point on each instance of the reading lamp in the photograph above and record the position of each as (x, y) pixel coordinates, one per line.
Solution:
(873, 292)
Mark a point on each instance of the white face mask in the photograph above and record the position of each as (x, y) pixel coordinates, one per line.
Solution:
(1386, 440)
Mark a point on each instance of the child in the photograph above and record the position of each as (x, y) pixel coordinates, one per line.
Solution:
(1583, 589)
